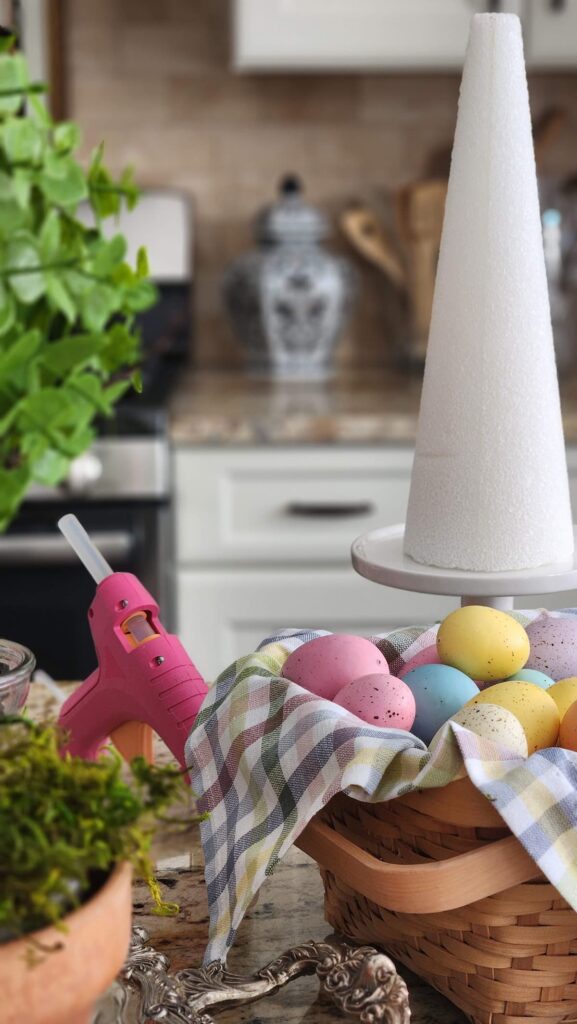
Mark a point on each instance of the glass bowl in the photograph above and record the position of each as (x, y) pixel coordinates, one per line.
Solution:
(17, 664)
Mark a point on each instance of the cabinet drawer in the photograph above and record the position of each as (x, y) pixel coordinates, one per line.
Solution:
(225, 614)
(285, 505)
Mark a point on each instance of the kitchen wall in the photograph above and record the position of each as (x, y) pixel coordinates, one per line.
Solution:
(152, 78)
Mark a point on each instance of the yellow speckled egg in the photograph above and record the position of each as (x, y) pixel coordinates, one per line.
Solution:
(532, 706)
(564, 693)
(494, 723)
(482, 642)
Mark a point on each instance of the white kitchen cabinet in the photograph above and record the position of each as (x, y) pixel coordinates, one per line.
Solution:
(309, 35)
(225, 612)
(388, 35)
(285, 504)
(263, 540)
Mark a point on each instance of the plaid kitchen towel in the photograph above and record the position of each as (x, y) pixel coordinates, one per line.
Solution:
(266, 755)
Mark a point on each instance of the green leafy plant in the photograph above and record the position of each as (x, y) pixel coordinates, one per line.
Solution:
(65, 823)
(68, 298)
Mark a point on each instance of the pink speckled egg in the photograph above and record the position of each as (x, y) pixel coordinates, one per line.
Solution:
(553, 646)
(328, 663)
(428, 656)
(379, 700)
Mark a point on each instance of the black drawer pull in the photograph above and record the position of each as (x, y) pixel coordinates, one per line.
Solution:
(334, 510)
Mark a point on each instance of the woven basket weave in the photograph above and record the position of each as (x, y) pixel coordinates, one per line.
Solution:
(438, 881)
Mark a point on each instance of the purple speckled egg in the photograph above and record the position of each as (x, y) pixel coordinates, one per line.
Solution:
(327, 663)
(553, 646)
(428, 656)
(379, 700)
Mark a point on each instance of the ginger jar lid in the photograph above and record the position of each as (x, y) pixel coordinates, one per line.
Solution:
(290, 218)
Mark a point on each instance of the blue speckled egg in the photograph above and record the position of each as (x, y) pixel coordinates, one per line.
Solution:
(439, 692)
(531, 675)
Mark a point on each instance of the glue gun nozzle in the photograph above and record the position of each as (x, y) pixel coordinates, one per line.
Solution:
(74, 532)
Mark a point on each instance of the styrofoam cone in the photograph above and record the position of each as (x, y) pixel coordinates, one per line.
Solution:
(489, 489)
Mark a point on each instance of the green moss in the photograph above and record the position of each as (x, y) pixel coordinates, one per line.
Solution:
(65, 823)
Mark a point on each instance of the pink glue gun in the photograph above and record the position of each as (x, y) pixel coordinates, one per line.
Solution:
(145, 680)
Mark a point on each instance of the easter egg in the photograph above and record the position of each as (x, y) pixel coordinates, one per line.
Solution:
(428, 656)
(439, 692)
(327, 663)
(568, 730)
(553, 645)
(482, 642)
(379, 700)
(564, 693)
(532, 706)
(530, 675)
(493, 723)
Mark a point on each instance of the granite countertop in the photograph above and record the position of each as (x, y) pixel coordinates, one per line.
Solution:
(287, 912)
(354, 408)
(351, 409)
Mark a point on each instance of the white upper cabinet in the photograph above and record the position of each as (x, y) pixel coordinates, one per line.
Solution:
(388, 35)
(301, 35)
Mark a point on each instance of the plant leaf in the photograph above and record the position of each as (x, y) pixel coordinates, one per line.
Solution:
(22, 255)
(103, 197)
(121, 347)
(48, 409)
(50, 468)
(63, 182)
(127, 184)
(66, 136)
(22, 140)
(96, 158)
(68, 353)
(7, 311)
(60, 298)
(77, 283)
(109, 255)
(142, 265)
(115, 391)
(13, 79)
(140, 296)
(89, 387)
(13, 486)
(40, 110)
(49, 237)
(98, 305)
(21, 185)
(6, 190)
(19, 354)
(12, 217)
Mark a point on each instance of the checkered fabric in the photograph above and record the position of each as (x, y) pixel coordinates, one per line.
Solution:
(265, 756)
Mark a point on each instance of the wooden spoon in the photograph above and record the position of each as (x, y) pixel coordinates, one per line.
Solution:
(365, 233)
(420, 209)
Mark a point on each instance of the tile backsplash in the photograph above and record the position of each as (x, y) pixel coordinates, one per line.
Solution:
(153, 80)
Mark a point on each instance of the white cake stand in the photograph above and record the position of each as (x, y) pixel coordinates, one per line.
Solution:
(379, 556)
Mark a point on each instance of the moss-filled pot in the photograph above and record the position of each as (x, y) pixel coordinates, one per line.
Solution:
(62, 984)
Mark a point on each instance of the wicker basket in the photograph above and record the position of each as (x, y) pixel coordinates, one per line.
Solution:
(438, 881)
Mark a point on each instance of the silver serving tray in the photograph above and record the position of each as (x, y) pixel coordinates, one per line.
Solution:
(359, 980)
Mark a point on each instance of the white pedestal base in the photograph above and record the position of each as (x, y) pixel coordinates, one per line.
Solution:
(379, 556)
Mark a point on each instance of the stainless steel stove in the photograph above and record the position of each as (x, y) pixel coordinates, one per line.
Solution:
(120, 489)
